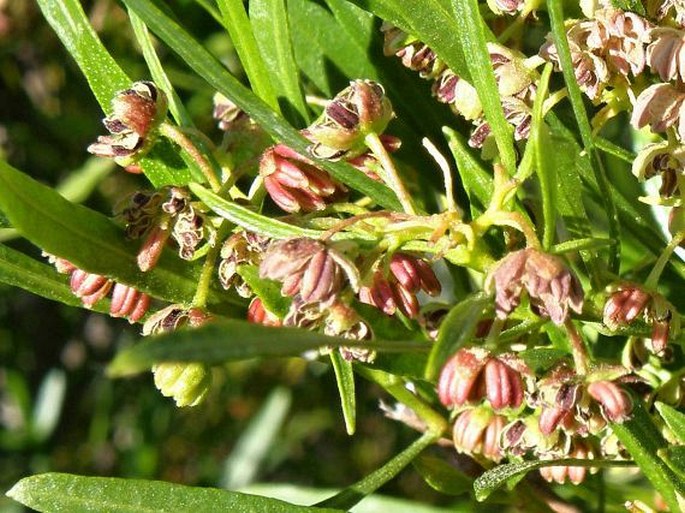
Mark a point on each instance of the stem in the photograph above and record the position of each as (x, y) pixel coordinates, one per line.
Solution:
(205, 280)
(350, 221)
(175, 134)
(661, 262)
(581, 358)
(446, 173)
(390, 171)
(511, 219)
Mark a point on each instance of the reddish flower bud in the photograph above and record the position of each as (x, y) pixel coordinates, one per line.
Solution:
(90, 288)
(503, 385)
(614, 401)
(295, 183)
(258, 314)
(477, 431)
(560, 473)
(624, 306)
(128, 302)
(460, 377)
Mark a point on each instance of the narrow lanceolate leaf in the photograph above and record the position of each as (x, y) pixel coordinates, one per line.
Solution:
(344, 376)
(104, 77)
(232, 340)
(205, 65)
(442, 476)
(238, 25)
(269, 19)
(675, 420)
(643, 441)
(556, 15)
(474, 44)
(258, 223)
(22, 271)
(458, 328)
(54, 492)
(91, 241)
(674, 458)
(493, 479)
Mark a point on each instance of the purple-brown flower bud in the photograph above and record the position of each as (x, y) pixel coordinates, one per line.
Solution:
(614, 401)
(624, 306)
(128, 302)
(88, 287)
(552, 287)
(295, 183)
(477, 431)
(358, 110)
(309, 269)
(136, 112)
(258, 314)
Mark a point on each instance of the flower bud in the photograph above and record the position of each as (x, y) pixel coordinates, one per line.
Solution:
(477, 431)
(258, 314)
(186, 383)
(358, 110)
(128, 302)
(227, 113)
(581, 450)
(460, 377)
(90, 288)
(295, 183)
(615, 402)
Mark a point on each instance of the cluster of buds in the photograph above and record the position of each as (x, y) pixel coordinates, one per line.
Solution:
(551, 286)
(136, 113)
(628, 302)
(579, 449)
(186, 382)
(407, 276)
(90, 288)
(160, 215)
(604, 50)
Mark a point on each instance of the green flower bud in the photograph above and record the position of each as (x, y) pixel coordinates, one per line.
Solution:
(187, 383)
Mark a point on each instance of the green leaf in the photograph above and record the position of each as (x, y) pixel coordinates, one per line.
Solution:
(493, 479)
(474, 44)
(456, 330)
(556, 14)
(642, 439)
(355, 493)
(344, 376)
(630, 5)
(93, 242)
(539, 359)
(442, 476)
(269, 19)
(205, 65)
(675, 420)
(674, 458)
(233, 340)
(55, 492)
(238, 25)
(476, 180)
(104, 77)
(577, 245)
(267, 290)
(20, 270)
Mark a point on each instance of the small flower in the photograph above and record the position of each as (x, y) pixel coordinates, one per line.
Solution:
(510, 7)
(174, 317)
(368, 163)
(358, 110)
(228, 114)
(660, 106)
(664, 53)
(308, 268)
(139, 211)
(552, 287)
(128, 302)
(136, 112)
(186, 383)
(189, 229)
(414, 54)
(461, 96)
(343, 321)
(477, 431)
(258, 314)
(89, 287)
(663, 158)
(614, 401)
(295, 183)
(242, 248)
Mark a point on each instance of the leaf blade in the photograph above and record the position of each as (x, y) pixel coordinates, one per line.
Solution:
(344, 377)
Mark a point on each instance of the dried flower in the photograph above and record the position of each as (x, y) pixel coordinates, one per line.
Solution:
(295, 183)
(510, 7)
(140, 211)
(551, 285)
(308, 268)
(358, 110)
(461, 96)
(136, 112)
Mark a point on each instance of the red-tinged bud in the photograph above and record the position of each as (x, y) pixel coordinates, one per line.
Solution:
(460, 377)
(477, 431)
(295, 183)
(90, 288)
(614, 401)
(258, 314)
(624, 306)
(61, 265)
(152, 247)
(128, 302)
(379, 294)
(581, 450)
(503, 385)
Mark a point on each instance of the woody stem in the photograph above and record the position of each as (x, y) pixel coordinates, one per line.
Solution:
(391, 176)
(175, 134)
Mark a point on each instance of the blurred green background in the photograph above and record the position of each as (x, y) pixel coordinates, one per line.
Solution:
(264, 422)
